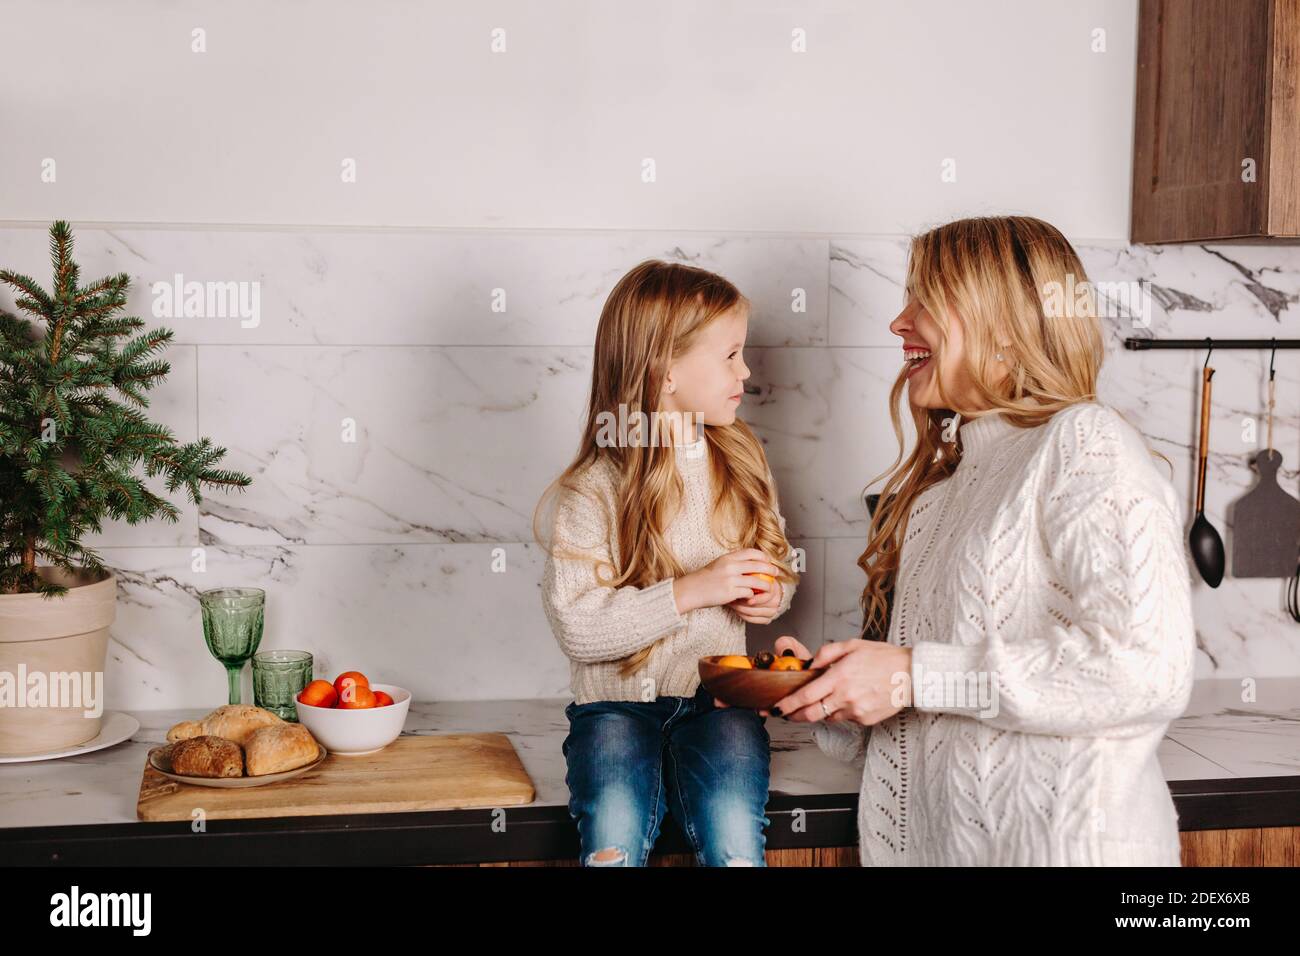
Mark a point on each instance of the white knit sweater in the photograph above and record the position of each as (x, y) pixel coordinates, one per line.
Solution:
(1052, 564)
(597, 626)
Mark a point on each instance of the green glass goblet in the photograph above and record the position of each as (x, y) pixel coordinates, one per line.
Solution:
(232, 628)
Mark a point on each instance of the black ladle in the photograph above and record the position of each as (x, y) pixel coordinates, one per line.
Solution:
(1204, 541)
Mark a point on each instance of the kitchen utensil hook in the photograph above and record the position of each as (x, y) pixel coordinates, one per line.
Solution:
(1271, 400)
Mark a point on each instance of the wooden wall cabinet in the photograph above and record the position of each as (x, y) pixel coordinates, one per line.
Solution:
(1217, 126)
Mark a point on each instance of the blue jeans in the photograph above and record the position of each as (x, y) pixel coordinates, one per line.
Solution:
(628, 761)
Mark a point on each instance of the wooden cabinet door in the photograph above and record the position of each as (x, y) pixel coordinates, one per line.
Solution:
(1217, 120)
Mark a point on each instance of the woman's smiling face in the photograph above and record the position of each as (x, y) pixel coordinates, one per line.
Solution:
(920, 334)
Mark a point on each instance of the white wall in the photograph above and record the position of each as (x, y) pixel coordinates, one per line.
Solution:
(846, 138)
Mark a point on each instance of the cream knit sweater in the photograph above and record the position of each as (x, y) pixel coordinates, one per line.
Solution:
(1052, 564)
(597, 626)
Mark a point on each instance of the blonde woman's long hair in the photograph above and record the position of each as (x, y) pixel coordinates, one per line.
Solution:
(652, 316)
(1011, 279)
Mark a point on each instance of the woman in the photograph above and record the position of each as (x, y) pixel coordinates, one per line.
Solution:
(1039, 633)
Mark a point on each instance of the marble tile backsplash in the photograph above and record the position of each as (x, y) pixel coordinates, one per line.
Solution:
(401, 398)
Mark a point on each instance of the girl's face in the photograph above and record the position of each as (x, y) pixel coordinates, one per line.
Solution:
(709, 378)
(920, 335)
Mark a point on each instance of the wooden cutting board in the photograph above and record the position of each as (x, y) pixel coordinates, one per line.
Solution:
(439, 772)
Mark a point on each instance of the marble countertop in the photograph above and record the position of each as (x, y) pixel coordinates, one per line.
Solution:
(1220, 740)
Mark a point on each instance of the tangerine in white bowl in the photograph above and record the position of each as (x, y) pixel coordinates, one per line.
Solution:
(352, 732)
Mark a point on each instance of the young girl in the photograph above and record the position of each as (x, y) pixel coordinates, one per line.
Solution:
(661, 525)
(1039, 638)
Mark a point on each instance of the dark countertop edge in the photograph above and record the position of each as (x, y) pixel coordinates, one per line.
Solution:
(526, 833)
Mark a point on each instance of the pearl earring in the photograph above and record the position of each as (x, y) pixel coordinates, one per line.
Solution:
(671, 388)
(999, 356)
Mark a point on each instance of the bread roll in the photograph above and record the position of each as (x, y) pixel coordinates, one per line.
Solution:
(279, 747)
(233, 721)
(184, 731)
(207, 756)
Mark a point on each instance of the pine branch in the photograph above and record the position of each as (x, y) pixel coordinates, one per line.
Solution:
(14, 332)
(65, 270)
(153, 341)
(116, 328)
(34, 298)
(116, 285)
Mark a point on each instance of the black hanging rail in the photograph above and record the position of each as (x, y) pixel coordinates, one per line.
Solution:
(1141, 345)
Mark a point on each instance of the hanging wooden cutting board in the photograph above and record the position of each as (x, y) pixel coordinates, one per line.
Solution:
(440, 772)
(1265, 525)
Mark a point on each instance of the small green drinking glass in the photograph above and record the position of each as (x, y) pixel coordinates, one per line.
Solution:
(278, 678)
(232, 628)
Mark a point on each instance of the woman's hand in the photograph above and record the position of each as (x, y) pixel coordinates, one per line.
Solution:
(722, 580)
(865, 681)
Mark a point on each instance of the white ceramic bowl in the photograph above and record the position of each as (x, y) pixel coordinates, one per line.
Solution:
(353, 732)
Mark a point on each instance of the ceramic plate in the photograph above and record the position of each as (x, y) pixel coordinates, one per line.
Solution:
(239, 782)
(116, 728)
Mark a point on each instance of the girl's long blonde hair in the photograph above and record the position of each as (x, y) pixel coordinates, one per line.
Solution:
(1009, 279)
(652, 316)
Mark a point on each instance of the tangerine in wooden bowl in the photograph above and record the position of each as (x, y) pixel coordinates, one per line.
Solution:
(757, 682)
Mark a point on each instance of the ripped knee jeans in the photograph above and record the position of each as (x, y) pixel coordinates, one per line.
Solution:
(629, 762)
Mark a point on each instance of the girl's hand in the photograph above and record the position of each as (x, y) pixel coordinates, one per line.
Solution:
(782, 642)
(865, 681)
(722, 580)
(762, 607)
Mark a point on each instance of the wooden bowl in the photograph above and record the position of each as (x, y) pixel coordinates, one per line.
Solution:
(756, 688)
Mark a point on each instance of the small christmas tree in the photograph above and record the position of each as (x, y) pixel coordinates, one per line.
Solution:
(67, 446)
